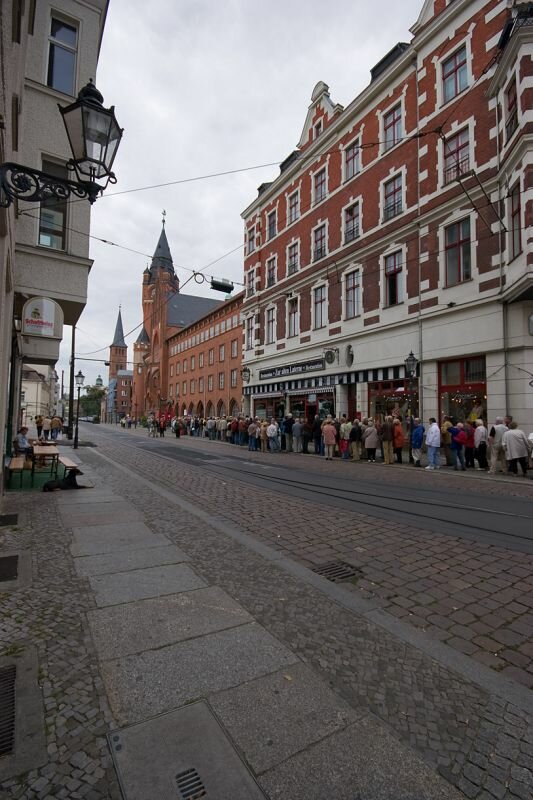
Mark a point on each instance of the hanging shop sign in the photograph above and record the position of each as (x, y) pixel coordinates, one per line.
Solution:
(300, 368)
(42, 317)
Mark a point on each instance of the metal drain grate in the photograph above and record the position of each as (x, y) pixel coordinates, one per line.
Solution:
(337, 571)
(190, 785)
(9, 568)
(8, 519)
(7, 709)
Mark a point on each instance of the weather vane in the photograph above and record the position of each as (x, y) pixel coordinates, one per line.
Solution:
(164, 215)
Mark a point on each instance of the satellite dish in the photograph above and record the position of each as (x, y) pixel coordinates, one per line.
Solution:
(330, 356)
(349, 355)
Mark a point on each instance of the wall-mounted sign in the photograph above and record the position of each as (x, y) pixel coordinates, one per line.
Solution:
(301, 368)
(42, 317)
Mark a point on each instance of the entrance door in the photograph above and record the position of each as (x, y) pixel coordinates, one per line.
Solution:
(310, 411)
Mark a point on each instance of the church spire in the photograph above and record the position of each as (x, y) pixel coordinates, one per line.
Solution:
(118, 339)
(162, 257)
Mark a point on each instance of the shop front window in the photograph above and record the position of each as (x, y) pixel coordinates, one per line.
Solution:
(397, 398)
(463, 389)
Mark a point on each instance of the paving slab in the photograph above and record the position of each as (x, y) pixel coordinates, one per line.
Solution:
(94, 539)
(140, 686)
(182, 754)
(125, 560)
(95, 514)
(132, 628)
(362, 762)
(92, 496)
(293, 708)
(125, 587)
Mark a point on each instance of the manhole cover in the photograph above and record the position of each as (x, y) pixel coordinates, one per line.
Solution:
(7, 709)
(9, 568)
(182, 755)
(337, 571)
(190, 785)
(8, 519)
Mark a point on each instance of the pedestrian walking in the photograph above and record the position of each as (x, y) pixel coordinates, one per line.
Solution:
(47, 424)
(317, 435)
(371, 441)
(297, 430)
(497, 452)
(470, 446)
(433, 444)
(481, 437)
(417, 439)
(272, 434)
(398, 439)
(517, 448)
(387, 440)
(458, 435)
(344, 438)
(39, 425)
(446, 441)
(329, 433)
(307, 435)
(356, 433)
(252, 430)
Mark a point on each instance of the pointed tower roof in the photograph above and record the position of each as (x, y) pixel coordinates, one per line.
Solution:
(118, 339)
(162, 257)
(143, 337)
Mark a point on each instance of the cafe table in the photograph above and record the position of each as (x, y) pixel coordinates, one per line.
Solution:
(45, 455)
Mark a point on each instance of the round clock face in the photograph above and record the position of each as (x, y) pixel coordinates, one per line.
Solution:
(330, 356)
(349, 355)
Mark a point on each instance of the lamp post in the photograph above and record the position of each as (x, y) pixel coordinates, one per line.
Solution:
(411, 364)
(79, 383)
(94, 136)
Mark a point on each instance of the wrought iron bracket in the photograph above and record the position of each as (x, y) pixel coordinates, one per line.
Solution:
(24, 183)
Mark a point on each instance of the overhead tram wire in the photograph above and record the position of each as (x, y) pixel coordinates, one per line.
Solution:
(365, 273)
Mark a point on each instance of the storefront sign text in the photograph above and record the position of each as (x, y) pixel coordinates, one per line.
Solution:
(292, 369)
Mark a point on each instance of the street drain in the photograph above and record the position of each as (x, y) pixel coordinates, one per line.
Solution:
(337, 571)
(190, 785)
(182, 755)
(8, 519)
(9, 568)
(7, 709)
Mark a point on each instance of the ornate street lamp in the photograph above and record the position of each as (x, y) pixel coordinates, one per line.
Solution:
(94, 136)
(411, 363)
(79, 378)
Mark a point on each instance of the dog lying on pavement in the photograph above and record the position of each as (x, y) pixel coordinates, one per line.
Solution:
(69, 482)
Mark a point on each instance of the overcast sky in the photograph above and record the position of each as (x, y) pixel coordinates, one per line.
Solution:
(204, 86)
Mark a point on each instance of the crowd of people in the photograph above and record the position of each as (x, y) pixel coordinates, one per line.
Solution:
(500, 447)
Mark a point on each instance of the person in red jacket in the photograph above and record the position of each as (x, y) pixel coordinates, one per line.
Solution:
(459, 440)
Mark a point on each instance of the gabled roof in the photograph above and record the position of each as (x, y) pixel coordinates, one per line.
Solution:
(118, 339)
(184, 309)
(320, 100)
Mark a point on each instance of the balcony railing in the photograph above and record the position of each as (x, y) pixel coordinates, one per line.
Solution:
(392, 210)
(351, 231)
(456, 170)
(292, 267)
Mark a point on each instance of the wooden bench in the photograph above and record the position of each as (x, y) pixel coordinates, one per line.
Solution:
(68, 464)
(16, 464)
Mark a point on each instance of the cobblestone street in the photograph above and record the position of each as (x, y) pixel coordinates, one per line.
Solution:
(443, 708)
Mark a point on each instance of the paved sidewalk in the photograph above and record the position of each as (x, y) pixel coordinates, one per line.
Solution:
(478, 598)
(137, 608)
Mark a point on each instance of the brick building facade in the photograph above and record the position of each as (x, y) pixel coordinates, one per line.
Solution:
(204, 377)
(402, 223)
(165, 310)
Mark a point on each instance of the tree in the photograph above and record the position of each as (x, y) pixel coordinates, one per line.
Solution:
(90, 402)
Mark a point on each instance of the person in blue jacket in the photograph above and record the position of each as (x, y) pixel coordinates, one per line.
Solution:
(417, 437)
